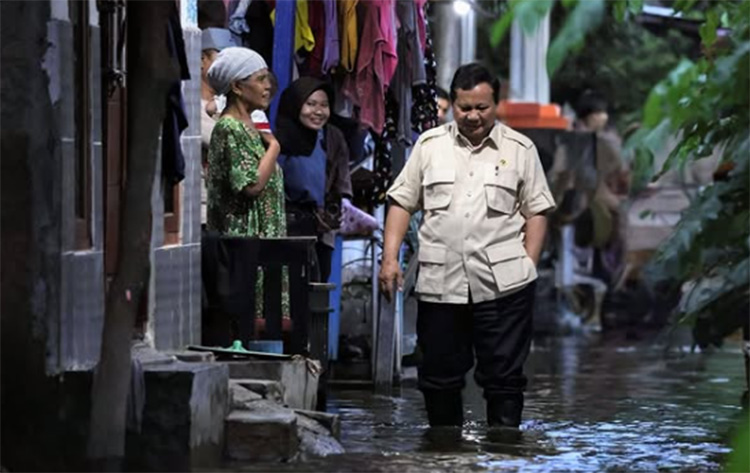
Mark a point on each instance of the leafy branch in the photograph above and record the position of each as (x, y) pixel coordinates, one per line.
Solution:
(703, 104)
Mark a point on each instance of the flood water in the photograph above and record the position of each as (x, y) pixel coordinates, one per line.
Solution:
(590, 406)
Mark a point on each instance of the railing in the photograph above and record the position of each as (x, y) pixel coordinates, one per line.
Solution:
(230, 274)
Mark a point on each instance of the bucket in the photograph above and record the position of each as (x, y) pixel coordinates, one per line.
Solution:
(266, 346)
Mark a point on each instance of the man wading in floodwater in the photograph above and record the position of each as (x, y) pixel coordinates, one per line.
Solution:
(484, 194)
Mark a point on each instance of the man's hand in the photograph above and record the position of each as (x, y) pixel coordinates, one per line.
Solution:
(390, 273)
(396, 225)
(536, 229)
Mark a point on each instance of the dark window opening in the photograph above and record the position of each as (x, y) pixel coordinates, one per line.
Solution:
(79, 14)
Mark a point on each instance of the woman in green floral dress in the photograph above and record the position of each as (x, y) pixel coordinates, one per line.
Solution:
(245, 184)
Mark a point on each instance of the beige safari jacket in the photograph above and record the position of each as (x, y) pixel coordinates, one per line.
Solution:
(475, 201)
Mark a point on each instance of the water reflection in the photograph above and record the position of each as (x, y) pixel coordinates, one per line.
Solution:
(590, 407)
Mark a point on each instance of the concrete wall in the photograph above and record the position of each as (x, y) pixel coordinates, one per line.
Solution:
(175, 308)
(30, 245)
(53, 293)
(79, 328)
(66, 289)
(174, 315)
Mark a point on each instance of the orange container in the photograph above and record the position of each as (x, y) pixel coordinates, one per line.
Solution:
(531, 115)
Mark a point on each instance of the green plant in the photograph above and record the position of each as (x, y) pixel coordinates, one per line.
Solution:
(622, 61)
(704, 104)
(739, 459)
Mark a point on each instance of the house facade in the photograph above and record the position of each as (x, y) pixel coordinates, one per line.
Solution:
(64, 85)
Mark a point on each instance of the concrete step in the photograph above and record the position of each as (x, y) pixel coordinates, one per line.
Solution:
(266, 388)
(267, 436)
(300, 385)
(332, 422)
(182, 424)
(240, 397)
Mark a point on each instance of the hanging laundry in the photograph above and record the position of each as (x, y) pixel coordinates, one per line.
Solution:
(237, 22)
(317, 16)
(260, 39)
(376, 64)
(175, 120)
(304, 40)
(343, 106)
(388, 23)
(382, 162)
(332, 45)
(424, 96)
(228, 7)
(421, 6)
(410, 70)
(390, 128)
(212, 14)
(383, 154)
(347, 10)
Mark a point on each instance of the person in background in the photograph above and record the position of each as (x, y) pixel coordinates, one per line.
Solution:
(315, 159)
(245, 182)
(484, 195)
(591, 248)
(443, 106)
(213, 40)
(591, 115)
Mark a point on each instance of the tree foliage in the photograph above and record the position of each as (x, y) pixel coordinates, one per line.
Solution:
(622, 61)
(704, 103)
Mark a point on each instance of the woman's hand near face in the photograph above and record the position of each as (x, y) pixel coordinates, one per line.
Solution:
(267, 164)
(271, 142)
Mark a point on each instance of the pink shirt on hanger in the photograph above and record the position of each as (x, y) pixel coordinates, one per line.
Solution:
(376, 63)
(421, 25)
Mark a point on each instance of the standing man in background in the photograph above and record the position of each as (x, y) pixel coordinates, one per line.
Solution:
(484, 194)
(443, 106)
(213, 40)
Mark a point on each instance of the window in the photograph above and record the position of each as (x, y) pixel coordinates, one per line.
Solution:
(171, 213)
(79, 14)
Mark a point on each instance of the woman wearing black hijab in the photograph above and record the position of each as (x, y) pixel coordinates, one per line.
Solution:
(315, 160)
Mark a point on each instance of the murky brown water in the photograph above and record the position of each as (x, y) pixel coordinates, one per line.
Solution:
(591, 406)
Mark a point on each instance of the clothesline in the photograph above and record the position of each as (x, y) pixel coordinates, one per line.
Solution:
(356, 46)
(376, 54)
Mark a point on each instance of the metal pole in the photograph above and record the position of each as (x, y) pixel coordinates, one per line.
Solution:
(468, 37)
(529, 81)
(446, 39)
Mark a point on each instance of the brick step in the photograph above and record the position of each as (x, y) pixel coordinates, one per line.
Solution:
(266, 436)
(266, 388)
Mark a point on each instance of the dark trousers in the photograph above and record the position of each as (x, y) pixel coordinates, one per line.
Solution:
(499, 332)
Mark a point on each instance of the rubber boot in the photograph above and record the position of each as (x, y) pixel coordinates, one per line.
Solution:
(444, 408)
(504, 410)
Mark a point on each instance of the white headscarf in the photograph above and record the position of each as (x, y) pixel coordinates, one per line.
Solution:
(233, 64)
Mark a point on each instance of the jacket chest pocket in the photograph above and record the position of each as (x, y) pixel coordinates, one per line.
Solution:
(437, 188)
(501, 190)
